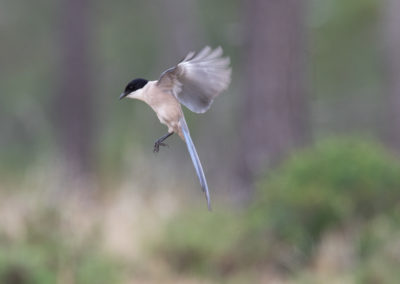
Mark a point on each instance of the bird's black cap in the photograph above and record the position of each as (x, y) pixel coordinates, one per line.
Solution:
(132, 86)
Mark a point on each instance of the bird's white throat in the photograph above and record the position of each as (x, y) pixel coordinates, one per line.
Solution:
(138, 94)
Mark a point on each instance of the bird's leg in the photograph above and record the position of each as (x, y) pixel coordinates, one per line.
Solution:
(160, 141)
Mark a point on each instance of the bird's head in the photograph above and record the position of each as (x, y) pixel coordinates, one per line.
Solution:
(132, 87)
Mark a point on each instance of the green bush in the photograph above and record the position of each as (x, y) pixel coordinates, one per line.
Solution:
(379, 250)
(337, 183)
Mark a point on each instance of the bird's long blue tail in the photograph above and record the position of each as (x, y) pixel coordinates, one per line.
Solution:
(195, 160)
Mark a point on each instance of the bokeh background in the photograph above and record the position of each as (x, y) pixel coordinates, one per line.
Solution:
(301, 152)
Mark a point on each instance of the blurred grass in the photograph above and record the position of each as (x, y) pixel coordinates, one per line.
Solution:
(204, 244)
(337, 194)
(48, 252)
(329, 214)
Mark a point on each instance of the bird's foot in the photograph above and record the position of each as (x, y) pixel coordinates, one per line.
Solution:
(157, 145)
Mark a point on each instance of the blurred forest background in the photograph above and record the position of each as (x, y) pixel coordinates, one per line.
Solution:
(301, 153)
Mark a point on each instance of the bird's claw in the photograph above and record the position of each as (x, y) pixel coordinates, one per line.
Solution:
(157, 146)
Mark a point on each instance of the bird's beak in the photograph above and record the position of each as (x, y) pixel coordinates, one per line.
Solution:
(123, 95)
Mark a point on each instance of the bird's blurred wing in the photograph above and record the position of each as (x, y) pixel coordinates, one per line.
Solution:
(198, 78)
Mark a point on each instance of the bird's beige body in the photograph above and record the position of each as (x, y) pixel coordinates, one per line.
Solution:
(164, 104)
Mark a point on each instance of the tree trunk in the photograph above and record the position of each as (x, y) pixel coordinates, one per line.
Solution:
(180, 28)
(275, 109)
(73, 108)
(392, 34)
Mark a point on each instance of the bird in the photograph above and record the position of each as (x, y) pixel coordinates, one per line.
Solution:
(194, 82)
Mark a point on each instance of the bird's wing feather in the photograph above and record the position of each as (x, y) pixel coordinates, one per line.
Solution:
(198, 78)
(195, 160)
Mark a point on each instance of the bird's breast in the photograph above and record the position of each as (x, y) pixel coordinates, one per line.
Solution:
(165, 105)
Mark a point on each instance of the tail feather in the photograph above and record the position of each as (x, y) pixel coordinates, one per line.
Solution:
(196, 161)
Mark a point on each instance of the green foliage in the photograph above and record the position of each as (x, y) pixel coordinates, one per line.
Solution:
(337, 184)
(379, 250)
(25, 264)
(201, 242)
(50, 253)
